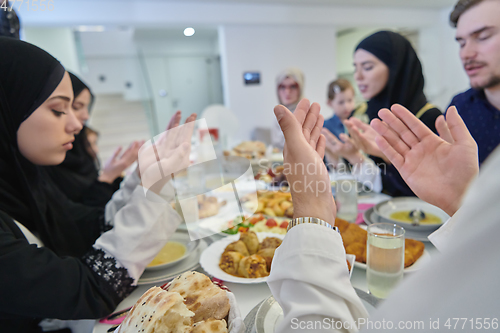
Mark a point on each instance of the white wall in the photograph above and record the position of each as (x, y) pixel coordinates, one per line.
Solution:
(443, 71)
(265, 25)
(269, 49)
(59, 42)
(345, 47)
(112, 54)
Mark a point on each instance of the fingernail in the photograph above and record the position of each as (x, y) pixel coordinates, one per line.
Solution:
(279, 113)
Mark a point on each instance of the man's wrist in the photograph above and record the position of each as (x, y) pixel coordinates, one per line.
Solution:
(452, 207)
(315, 208)
(312, 220)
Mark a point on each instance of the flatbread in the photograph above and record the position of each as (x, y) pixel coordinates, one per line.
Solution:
(208, 206)
(210, 326)
(158, 311)
(201, 296)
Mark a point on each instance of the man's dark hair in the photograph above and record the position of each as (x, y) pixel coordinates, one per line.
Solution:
(461, 7)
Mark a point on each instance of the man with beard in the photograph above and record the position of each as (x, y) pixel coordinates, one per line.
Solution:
(478, 33)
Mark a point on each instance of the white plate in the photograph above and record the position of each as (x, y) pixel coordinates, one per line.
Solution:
(370, 217)
(210, 258)
(192, 262)
(270, 314)
(386, 208)
(183, 238)
(421, 262)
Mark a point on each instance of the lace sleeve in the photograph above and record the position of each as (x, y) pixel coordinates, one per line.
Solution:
(108, 269)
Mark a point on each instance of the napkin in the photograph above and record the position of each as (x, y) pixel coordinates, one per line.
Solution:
(361, 209)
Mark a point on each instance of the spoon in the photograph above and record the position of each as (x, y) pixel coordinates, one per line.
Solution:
(416, 215)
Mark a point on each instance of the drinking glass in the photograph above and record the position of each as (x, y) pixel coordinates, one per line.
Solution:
(384, 258)
(346, 198)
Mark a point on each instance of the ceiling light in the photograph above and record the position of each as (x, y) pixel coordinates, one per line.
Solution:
(188, 32)
(91, 28)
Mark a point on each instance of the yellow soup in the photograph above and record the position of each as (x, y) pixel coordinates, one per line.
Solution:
(170, 252)
(404, 216)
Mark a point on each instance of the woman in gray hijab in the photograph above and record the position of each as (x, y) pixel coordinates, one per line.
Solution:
(289, 86)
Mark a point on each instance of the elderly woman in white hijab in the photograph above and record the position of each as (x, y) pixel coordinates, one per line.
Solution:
(290, 86)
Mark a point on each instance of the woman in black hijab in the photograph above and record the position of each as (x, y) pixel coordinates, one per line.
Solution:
(76, 271)
(78, 176)
(388, 71)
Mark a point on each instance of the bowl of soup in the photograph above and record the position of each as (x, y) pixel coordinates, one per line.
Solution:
(175, 250)
(397, 211)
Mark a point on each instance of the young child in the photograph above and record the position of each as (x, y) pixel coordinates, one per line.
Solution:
(339, 145)
(341, 100)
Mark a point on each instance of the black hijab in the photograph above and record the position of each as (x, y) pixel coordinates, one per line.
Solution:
(28, 76)
(9, 23)
(79, 169)
(406, 80)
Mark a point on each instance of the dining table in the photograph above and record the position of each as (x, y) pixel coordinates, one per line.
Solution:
(249, 296)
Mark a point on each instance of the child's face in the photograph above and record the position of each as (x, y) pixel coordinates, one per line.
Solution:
(343, 104)
(92, 138)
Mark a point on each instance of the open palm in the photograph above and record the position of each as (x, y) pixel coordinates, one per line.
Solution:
(167, 153)
(437, 168)
(303, 161)
(364, 137)
(344, 147)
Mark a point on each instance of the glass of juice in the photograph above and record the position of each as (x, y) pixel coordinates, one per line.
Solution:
(385, 251)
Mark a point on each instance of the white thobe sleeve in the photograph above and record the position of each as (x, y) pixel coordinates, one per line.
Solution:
(122, 196)
(442, 237)
(141, 228)
(310, 280)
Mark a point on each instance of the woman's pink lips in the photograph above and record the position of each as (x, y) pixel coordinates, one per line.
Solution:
(69, 145)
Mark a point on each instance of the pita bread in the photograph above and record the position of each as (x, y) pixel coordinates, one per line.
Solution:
(208, 206)
(210, 326)
(158, 311)
(201, 296)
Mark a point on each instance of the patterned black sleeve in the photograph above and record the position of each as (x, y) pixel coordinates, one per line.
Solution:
(106, 268)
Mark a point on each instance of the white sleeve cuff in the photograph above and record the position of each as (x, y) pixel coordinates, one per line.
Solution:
(309, 278)
(442, 238)
(141, 229)
(122, 196)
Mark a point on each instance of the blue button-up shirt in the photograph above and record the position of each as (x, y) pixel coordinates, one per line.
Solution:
(334, 125)
(482, 120)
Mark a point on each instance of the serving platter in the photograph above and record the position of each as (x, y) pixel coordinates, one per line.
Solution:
(210, 259)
